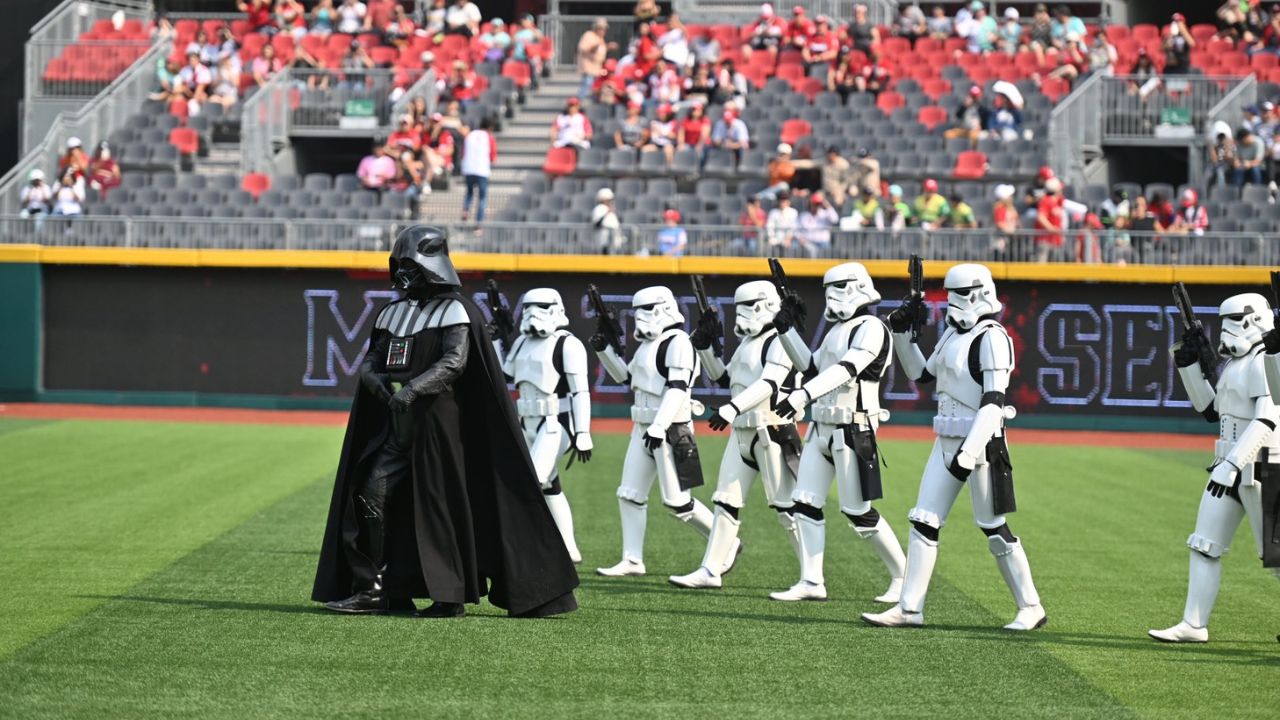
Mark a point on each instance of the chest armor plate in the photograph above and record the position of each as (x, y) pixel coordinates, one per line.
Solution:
(958, 394)
(535, 365)
(747, 364)
(834, 346)
(645, 375)
(1239, 376)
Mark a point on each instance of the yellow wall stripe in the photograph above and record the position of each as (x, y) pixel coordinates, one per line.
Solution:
(498, 262)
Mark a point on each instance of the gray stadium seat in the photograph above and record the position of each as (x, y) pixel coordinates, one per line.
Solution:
(660, 186)
(622, 161)
(318, 181)
(592, 161)
(652, 163)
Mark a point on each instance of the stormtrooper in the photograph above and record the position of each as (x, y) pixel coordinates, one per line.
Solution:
(972, 364)
(762, 442)
(549, 368)
(662, 446)
(1245, 408)
(842, 383)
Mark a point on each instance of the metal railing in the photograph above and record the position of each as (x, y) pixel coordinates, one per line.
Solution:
(264, 125)
(357, 100)
(425, 88)
(1073, 246)
(107, 111)
(1075, 131)
(78, 70)
(1231, 108)
(1168, 109)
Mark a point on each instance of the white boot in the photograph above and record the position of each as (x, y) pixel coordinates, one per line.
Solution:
(722, 546)
(812, 536)
(1181, 633)
(922, 555)
(699, 517)
(886, 546)
(558, 504)
(894, 617)
(634, 519)
(1203, 579)
(1011, 558)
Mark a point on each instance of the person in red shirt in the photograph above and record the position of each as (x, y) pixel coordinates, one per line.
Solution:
(378, 14)
(821, 47)
(647, 51)
(695, 130)
(104, 173)
(1050, 217)
(799, 29)
(438, 150)
(766, 33)
(260, 17)
(875, 78)
(405, 137)
(460, 85)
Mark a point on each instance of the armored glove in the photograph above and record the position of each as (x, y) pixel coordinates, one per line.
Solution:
(598, 342)
(1271, 341)
(958, 468)
(1194, 345)
(707, 331)
(580, 449)
(723, 417)
(794, 403)
(653, 438)
(376, 383)
(912, 311)
(791, 312)
(1222, 477)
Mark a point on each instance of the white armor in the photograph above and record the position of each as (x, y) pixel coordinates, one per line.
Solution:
(660, 401)
(843, 387)
(757, 375)
(549, 368)
(971, 412)
(1247, 418)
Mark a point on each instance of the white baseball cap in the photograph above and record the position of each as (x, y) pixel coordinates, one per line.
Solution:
(1004, 192)
(604, 195)
(73, 142)
(1011, 13)
(784, 149)
(766, 10)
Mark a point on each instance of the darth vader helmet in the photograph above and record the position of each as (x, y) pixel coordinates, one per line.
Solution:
(420, 263)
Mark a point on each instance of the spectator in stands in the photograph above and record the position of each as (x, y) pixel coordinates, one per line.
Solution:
(408, 179)
(453, 118)
(323, 18)
(674, 43)
(479, 152)
(939, 24)
(433, 19)
(400, 29)
(731, 85)
(378, 14)
(930, 209)
(1050, 221)
(1040, 33)
(982, 29)
(821, 46)
(351, 14)
(899, 210)
(861, 33)
(35, 198)
(291, 17)
(664, 83)
(837, 174)
(866, 171)
(875, 76)
(970, 117)
(226, 83)
(525, 36)
(1163, 209)
(1004, 216)
(645, 11)
(1222, 154)
(752, 221)
(633, 130)
(815, 225)
(1004, 121)
(731, 133)
(207, 48)
(672, 238)
(104, 172)
(781, 172)
(780, 226)
(74, 159)
(1064, 25)
(865, 213)
(910, 23)
(645, 53)
(496, 42)
(610, 88)
(460, 85)
(1266, 41)
(664, 132)
(405, 137)
(355, 66)
(593, 48)
(438, 149)
(1146, 76)
(196, 79)
(1249, 158)
(1102, 57)
(961, 215)
(1239, 20)
(1009, 36)
(1192, 217)
(1142, 221)
(701, 87)
(311, 67)
(695, 129)
(798, 30)
(265, 66)
(846, 76)
(607, 226)
(1073, 60)
(1114, 211)
(68, 194)
(376, 169)
(571, 128)
(260, 17)
(705, 48)
(765, 34)
(1178, 45)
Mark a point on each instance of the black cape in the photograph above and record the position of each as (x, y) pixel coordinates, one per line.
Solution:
(458, 539)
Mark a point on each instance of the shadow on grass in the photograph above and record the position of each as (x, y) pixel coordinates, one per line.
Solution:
(307, 608)
(1265, 654)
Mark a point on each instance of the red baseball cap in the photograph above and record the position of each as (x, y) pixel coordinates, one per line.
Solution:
(1179, 17)
(797, 10)
(975, 90)
(1045, 173)
(574, 101)
(931, 185)
(664, 108)
(671, 216)
(816, 198)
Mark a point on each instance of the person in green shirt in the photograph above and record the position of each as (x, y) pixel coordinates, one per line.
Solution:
(900, 211)
(930, 208)
(866, 214)
(961, 215)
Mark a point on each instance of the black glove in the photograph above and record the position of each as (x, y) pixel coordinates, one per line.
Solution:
(652, 442)
(786, 410)
(700, 339)
(1191, 349)
(376, 383)
(403, 400)
(912, 310)
(718, 422)
(956, 471)
(707, 330)
(1271, 341)
(598, 342)
(791, 312)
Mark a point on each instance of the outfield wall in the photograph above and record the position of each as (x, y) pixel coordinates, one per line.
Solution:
(271, 329)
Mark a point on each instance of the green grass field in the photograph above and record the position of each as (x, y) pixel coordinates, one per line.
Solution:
(163, 570)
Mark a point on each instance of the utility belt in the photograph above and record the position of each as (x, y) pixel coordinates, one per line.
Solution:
(756, 419)
(541, 407)
(958, 426)
(1222, 448)
(685, 413)
(835, 415)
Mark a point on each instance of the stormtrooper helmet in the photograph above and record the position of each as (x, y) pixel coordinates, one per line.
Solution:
(543, 313)
(971, 295)
(755, 304)
(655, 310)
(1245, 319)
(848, 289)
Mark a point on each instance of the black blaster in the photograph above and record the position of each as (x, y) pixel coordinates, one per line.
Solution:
(504, 324)
(779, 277)
(708, 317)
(606, 321)
(915, 268)
(1190, 324)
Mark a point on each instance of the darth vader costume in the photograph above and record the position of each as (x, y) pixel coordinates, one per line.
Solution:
(435, 495)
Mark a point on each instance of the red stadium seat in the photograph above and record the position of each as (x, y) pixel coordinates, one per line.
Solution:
(895, 45)
(810, 87)
(255, 184)
(383, 55)
(935, 88)
(178, 108)
(1263, 61)
(970, 165)
(794, 129)
(560, 161)
(890, 101)
(791, 72)
(1055, 88)
(185, 139)
(1116, 33)
(518, 72)
(1146, 32)
(931, 116)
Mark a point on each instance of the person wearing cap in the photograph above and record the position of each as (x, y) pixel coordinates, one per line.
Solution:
(837, 174)
(910, 23)
(730, 133)
(861, 34)
(1004, 120)
(1114, 211)
(1192, 217)
(68, 194)
(982, 29)
(930, 208)
(866, 213)
(822, 46)
(899, 211)
(1004, 218)
(405, 137)
(1040, 32)
(1009, 36)
(462, 18)
(438, 148)
(527, 34)
(632, 130)
(780, 226)
(672, 238)
(664, 132)
(104, 171)
(35, 197)
(605, 223)
(752, 221)
(1051, 220)
(496, 41)
(593, 49)
(572, 128)
(798, 30)
(815, 225)
(781, 171)
(865, 173)
(1064, 24)
(765, 33)
(970, 117)
(1178, 44)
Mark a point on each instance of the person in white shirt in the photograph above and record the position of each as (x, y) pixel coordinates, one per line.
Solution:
(815, 225)
(351, 16)
(479, 150)
(674, 43)
(462, 18)
(604, 219)
(572, 127)
(780, 226)
(35, 197)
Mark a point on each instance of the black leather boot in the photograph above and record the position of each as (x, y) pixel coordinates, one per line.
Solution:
(365, 602)
(443, 610)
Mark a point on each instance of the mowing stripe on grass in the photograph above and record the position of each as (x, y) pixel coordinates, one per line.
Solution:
(13, 425)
